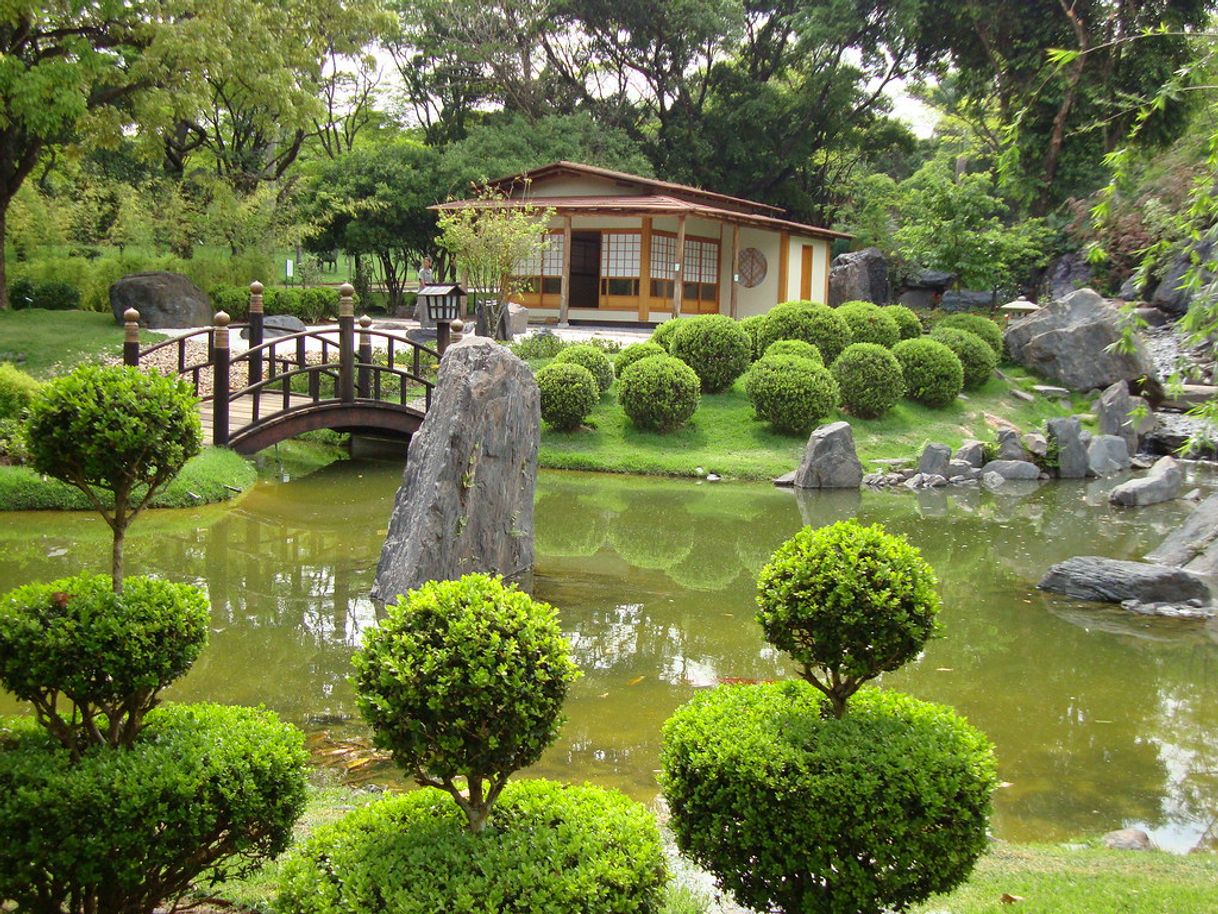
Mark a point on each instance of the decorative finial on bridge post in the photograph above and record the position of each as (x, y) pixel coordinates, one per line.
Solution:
(131, 337)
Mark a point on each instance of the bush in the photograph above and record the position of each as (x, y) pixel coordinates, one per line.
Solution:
(753, 327)
(554, 848)
(817, 324)
(793, 394)
(715, 347)
(206, 789)
(17, 389)
(659, 392)
(232, 300)
(870, 323)
(797, 348)
(12, 443)
(540, 345)
(870, 379)
(568, 394)
(21, 293)
(633, 353)
(465, 679)
(977, 358)
(663, 334)
(907, 320)
(796, 812)
(311, 305)
(591, 357)
(933, 374)
(56, 296)
(982, 326)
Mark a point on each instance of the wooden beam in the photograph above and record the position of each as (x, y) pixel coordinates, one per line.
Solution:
(678, 279)
(805, 272)
(645, 270)
(784, 264)
(828, 249)
(564, 303)
(735, 272)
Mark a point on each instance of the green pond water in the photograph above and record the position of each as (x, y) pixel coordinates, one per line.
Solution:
(1101, 719)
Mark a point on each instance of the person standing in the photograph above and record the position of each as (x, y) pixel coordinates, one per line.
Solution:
(425, 279)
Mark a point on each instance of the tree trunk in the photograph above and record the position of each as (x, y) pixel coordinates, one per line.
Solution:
(116, 559)
(3, 267)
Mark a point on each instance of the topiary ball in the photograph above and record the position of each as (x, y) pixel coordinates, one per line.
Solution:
(933, 374)
(17, 389)
(591, 357)
(907, 320)
(753, 326)
(663, 334)
(715, 347)
(633, 353)
(797, 348)
(870, 323)
(870, 380)
(979, 324)
(977, 358)
(568, 394)
(793, 394)
(659, 392)
(817, 324)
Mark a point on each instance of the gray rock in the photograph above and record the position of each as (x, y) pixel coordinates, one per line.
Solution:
(1194, 544)
(1194, 609)
(1113, 410)
(1107, 455)
(1131, 291)
(972, 453)
(1022, 395)
(1162, 483)
(1065, 436)
(1068, 273)
(965, 300)
(962, 469)
(933, 480)
(1036, 444)
(992, 480)
(830, 461)
(1153, 316)
(786, 480)
(277, 325)
(859, 276)
(1048, 390)
(164, 300)
(1009, 445)
(1168, 295)
(934, 459)
(518, 319)
(1011, 469)
(1091, 577)
(1070, 341)
(1127, 839)
(466, 500)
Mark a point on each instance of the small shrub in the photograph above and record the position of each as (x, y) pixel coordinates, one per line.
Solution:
(819, 325)
(977, 358)
(870, 323)
(56, 296)
(568, 394)
(554, 847)
(753, 326)
(907, 320)
(21, 293)
(591, 357)
(933, 374)
(232, 300)
(715, 347)
(607, 346)
(982, 326)
(12, 443)
(633, 353)
(17, 389)
(869, 377)
(797, 348)
(793, 394)
(541, 345)
(659, 392)
(663, 334)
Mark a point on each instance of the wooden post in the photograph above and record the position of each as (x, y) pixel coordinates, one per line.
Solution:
(443, 334)
(365, 358)
(678, 279)
(220, 381)
(735, 269)
(131, 337)
(784, 257)
(346, 343)
(255, 331)
(645, 270)
(564, 302)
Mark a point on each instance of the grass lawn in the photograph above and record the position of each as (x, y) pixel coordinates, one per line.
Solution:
(52, 342)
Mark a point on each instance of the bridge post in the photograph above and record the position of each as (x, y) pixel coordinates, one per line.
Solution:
(365, 358)
(255, 331)
(220, 381)
(346, 343)
(131, 337)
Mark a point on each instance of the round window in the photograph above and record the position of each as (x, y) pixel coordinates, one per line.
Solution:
(752, 267)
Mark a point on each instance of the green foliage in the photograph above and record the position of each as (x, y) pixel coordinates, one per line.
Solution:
(206, 791)
(792, 393)
(53, 295)
(17, 389)
(592, 358)
(753, 327)
(105, 655)
(12, 447)
(817, 324)
(975, 355)
(848, 603)
(797, 348)
(907, 321)
(633, 353)
(553, 849)
(538, 346)
(659, 392)
(978, 324)
(870, 379)
(312, 305)
(465, 679)
(797, 812)
(715, 347)
(870, 323)
(568, 394)
(663, 334)
(932, 372)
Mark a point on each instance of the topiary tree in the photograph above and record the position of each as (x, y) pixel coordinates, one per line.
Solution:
(633, 353)
(870, 323)
(907, 321)
(118, 430)
(793, 394)
(869, 377)
(592, 358)
(715, 347)
(817, 324)
(663, 334)
(797, 348)
(17, 389)
(464, 680)
(979, 324)
(568, 394)
(659, 392)
(753, 327)
(977, 358)
(933, 374)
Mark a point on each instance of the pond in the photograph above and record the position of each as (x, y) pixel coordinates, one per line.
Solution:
(1101, 719)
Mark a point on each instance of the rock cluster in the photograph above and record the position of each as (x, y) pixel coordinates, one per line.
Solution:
(859, 276)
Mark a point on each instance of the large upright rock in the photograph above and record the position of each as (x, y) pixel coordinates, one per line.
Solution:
(859, 276)
(1168, 296)
(164, 300)
(1114, 410)
(1194, 544)
(1070, 341)
(830, 461)
(466, 500)
(1065, 438)
(1162, 483)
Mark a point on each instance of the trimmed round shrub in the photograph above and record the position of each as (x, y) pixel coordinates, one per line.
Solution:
(205, 789)
(554, 847)
(538, 345)
(659, 392)
(715, 347)
(17, 389)
(753, 326)
(633, 353)
(819, 325)
(933, 374)
(591, 357)
(907, 320)
(797, 348)
(796, 812)
(568, 394)
(793, 394)
(977, 358)
(663, 334)
(869, 377)
(870, 323)
(979, 324)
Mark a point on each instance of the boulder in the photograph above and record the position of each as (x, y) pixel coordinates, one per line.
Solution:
(1114, 409)
(992, 480)
(1070, 341)
(1011, 469)
(164, 300)
(1127, 839)
(859, 276)
(1036, 444)
(1065, 437)
(277, 325)
(518, 319)
(972, 453)
(1168, 296)
(1162, 483)
(1194, 544)
(1107, 455)
(1010, 447)
(934, 460)
(1066, 274)
(965, 300)
(830, 461)
(1131, 291)
(1090, 577)
(925, 289)
(962, 469)
(466, 500)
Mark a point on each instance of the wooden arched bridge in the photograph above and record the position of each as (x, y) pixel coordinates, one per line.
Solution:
(327, 377)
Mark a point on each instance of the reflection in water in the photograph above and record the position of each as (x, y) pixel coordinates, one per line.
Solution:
(1101, 719)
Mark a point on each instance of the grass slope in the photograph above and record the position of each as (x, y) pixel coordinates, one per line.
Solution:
(46, 343)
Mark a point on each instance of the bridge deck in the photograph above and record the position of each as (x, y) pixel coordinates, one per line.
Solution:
(241, 411)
